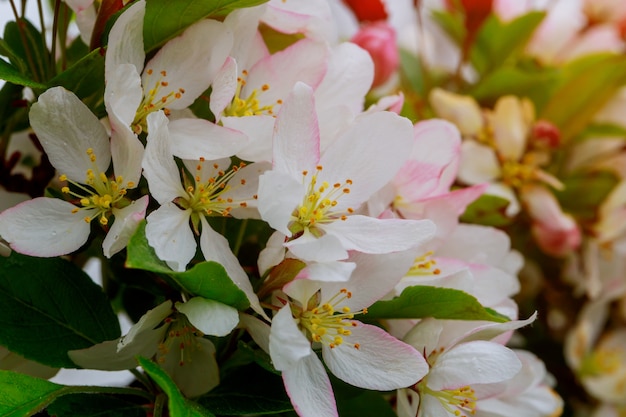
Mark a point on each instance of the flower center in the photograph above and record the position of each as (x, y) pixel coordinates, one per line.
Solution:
(207, 197)
(516, 174)
(424, 265)
(319, 202)
(250, 106)
(180, 337)
(455, 401)
(101, 193)
(327, 323)
(600, 362)
(154, 100)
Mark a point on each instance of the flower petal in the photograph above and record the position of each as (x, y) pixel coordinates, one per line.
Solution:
(209, 316)
(381, 362)
(190, 61)
(259, 130)
(66, 128)
(279, 195)
(169, 233)
(309, 389)
(479, 163)
(199, 138)
(124, 226)
(223, 88)
(288, 345)
(308, 247)
(44, 227)
(158, 163)
(199, 372)
(126, 39)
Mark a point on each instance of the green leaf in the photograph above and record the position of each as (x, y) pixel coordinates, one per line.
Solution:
(452, 23)
(166, 19)
(11, 74)
(22, 395)
(85, 77)
(264, 393)
(488, 210)
(50, 306)
(94, 405)
(27, 50)
(602, 130)
(367, 404)
(535, 84)
(587, 85)
(419, 301)
(497, 41)
(584, 192)
(178, 405)
(205, 279)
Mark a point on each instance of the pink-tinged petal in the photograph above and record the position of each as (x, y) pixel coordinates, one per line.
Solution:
(190, 61)
(476, 244)
(259, 130)
(125, 44)
(309, 389)
(510, 128)
(66, 128)
(366, 234)
(477, 362)
(159, 166)
(381, 361)
(288, 345)
(44, 227)
(370, 153)
(437, 145)
(279, 195)
(215, 248)
(124, 226)
(123, 93)
(170, 235)
(199, 138)
(223, 87)
(199, 372)
(304, 61)
(459, 280)
(479, 163)
(348, 78)
(248, 45)
(312, 18)
(308, 247)
(296, 135)
(209, 316)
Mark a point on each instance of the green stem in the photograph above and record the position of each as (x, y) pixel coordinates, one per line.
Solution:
(159, 404)
(87, 389)
(41, 22)
(55, 28)
(240, 236)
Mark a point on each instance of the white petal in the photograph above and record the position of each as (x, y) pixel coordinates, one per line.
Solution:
(209, 316)
(366, 234)
(147, 323)
(199, 138)
(215, 248)
(170, 235)
(123, 93)
(509, 128)
(309, 388)
(288, 345)
(259, 330)
(190, 61)
(279, 195)
(296, 135)
(158, 163)
(477, 362)
(308, 247)
(259, 130)
(380, 363)
(126, 39)
(66, 128)
(124, 226)
(224, 88)
(479, 163)
(329, 271)
(44, 227)
(370, 153)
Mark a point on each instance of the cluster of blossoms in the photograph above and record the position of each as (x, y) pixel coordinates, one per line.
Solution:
(377, 262)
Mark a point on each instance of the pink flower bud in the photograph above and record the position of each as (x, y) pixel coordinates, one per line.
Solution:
(379, 39)
(545, 135)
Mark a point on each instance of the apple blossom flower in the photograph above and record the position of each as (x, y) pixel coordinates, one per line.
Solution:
(77, 144)
(174, 337)
(213, 189)
(321, 315)
(311, 197)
